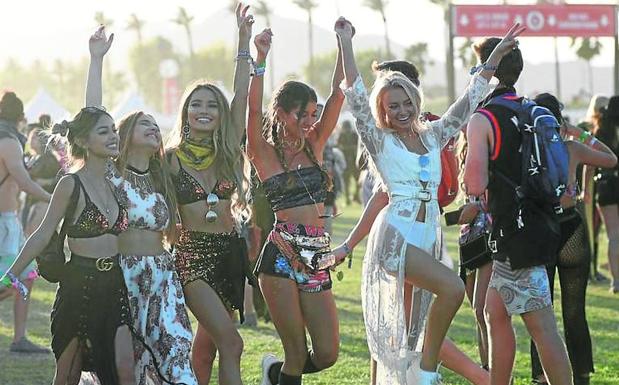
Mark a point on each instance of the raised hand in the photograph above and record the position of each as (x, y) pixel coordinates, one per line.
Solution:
(344, 28)
(243, 20)
(509, 41)
(99, 43)
(263, 42)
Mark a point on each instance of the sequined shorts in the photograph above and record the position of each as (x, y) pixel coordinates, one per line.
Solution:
(219, 259)
(522, 290)
(273, 262)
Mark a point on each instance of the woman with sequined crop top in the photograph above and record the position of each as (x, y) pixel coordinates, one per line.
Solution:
(90, 321)
(404, 242)
(286, 149)
(212, 184)
(143, 185)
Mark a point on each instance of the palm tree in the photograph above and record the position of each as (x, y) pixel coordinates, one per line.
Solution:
(449, 62)
(308, 6)
(418, 54)
(262, 9)
(102, 20)
(136, 25)
(379, 6)
(184, 20)
(587, 49)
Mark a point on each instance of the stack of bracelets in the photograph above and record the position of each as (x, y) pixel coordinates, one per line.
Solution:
(11, 280)
(257, 69)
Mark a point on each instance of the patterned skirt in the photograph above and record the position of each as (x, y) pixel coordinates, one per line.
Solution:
(159, 317)
(218, 259)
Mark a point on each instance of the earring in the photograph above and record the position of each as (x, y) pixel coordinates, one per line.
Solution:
(186, 131)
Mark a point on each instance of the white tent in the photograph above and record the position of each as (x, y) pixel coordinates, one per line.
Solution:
(43, 103)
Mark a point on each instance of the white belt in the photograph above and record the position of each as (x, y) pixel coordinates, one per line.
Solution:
(424, 195)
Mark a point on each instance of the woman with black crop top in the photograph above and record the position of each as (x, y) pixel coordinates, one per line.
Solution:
(211, 180)
(293, 268)
(143, 185)
(90, 317)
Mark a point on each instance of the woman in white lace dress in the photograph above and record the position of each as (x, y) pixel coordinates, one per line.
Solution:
(404, 243)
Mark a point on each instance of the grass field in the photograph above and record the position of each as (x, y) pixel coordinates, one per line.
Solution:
(352, 366)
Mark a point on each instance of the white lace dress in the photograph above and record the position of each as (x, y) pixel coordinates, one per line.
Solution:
(382, 289)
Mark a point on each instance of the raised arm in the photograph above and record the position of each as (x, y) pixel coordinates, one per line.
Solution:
(238, 106)
(591, 152)
(356, 93)
(460, 111)
(256, 143)
(333, 106)
(43, 234)
(98, 46)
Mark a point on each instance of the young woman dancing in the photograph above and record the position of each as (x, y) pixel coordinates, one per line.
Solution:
(404, 243)
(450, 355)
(293, 276)
(211, 181)
(144, 186)
(90, 316)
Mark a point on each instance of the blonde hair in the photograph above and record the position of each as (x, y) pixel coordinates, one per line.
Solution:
(390, 80)
(159, 170)
(230, 160)
(594, 115)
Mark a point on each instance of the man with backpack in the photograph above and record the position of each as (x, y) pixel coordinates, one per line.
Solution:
(516, 153)
(13, 178)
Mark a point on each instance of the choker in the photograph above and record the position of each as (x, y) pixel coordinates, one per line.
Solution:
(139, 180)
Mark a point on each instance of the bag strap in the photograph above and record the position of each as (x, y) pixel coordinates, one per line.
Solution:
(72, 204)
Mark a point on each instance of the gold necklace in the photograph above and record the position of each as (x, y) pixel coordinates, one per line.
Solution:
(104, 201)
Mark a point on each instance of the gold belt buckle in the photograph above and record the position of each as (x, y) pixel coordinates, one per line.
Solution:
(104, 264)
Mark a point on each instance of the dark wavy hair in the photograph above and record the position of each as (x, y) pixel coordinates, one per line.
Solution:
(11, 107)
(79, 128)
(510, 66)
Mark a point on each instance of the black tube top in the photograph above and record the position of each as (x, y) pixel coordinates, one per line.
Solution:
(295, 188)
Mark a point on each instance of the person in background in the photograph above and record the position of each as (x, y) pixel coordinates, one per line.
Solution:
(573, 260)
(607, 186)
(14, 178)
(592, 214)
(347, 143)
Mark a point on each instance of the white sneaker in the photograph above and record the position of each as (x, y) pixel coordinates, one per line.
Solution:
(267, 360)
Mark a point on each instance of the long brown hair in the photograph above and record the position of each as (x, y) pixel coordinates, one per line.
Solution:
(158, 168)
(288, 96)
(230, 161)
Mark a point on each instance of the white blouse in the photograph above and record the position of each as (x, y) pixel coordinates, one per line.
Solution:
(384, 262)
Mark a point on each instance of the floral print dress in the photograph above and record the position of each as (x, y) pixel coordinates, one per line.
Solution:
(155, 294)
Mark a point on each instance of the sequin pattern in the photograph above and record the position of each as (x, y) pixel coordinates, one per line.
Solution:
(215, 258)
(189, 190)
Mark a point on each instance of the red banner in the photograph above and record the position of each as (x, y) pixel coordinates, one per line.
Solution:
(541, 20)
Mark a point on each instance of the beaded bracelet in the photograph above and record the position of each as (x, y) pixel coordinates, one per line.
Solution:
(482, 67)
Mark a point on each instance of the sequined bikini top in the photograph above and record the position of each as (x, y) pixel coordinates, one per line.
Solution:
(146, 208)
(295, 188)
(91, 222)
(189, 190)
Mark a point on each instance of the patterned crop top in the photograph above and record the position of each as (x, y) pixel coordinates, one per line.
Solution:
(92, 223)
(189, 190)
(146, 208)
(295, 188)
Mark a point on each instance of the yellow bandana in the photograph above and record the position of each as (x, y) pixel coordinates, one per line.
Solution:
(197, 155)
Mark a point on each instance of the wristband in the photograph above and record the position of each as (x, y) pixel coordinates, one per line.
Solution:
(259, 69)
(482, 67)
(584, 136)
(593, 141)
(243, 54)
(347, 248)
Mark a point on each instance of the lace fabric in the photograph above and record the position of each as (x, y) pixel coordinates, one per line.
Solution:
(384, 263)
